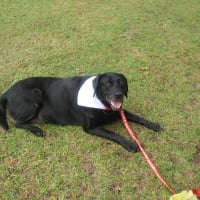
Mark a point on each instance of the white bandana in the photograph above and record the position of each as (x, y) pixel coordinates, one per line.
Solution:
(87, 96)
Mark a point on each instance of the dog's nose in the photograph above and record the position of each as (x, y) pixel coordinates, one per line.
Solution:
(118, 95)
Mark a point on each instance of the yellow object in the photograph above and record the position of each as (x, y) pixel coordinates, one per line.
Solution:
(185, 195)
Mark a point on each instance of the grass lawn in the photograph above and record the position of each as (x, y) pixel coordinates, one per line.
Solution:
(155, 44)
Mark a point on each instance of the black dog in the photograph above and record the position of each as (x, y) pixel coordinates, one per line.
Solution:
(88, 101)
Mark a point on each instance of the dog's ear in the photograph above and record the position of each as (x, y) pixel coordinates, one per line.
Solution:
(125, 86)
(95, 83)
(126, 89)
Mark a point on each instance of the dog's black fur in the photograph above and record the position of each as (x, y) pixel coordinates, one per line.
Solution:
(54, 100)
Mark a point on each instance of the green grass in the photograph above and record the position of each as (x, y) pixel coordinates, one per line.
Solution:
(155, 44)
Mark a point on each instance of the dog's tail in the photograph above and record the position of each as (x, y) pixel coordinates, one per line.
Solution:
(3, 120)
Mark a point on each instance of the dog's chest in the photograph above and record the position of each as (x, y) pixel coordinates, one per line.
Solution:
(99, 117)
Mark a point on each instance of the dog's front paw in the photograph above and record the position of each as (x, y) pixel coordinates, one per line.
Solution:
(156, 127)
(130, 146)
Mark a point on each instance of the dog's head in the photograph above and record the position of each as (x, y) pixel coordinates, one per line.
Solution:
(111, 88)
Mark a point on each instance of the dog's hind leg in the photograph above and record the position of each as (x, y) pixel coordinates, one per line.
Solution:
(24, 119)
(25, 107)
(35, 130)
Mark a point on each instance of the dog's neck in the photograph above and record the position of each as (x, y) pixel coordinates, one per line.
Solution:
(87, 97)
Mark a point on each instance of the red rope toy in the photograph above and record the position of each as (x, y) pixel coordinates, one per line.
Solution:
(147, 158)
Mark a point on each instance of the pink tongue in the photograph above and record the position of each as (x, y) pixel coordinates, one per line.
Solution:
(116, 105)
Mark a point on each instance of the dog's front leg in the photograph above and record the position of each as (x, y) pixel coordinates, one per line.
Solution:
(101, 132)
(137, 119)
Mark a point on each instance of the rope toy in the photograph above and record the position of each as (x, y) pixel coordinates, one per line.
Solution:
(185, 195)
(191, 195)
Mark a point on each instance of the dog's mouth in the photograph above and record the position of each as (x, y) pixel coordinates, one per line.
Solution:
(115, 104)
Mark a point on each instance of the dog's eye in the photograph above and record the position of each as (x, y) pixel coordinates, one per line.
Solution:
(120, 82)
(109, 84)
